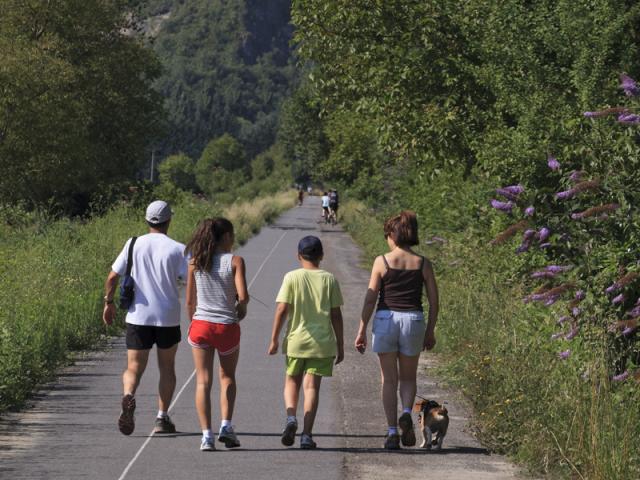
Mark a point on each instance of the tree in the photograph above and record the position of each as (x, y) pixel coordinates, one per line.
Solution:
(77, 110)
(222, 154)
(179, 170)
(302, 133)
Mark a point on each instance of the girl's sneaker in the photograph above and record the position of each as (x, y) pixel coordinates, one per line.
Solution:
(207, 444)
(228, 437)
(306, 442)
(289, 433)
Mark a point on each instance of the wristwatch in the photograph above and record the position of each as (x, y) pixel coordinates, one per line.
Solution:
(108, 300)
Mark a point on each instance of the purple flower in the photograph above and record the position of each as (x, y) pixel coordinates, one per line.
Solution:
(553, 163)
(536, 297)
(575, 311)
(572, 334)
(543, 234)
(629, 119)
(614, 287)
(564, 355)
(576, 216)
(545, 245)
(529, 211)
(557, 268)
(566, 194)
(528, 235)
(563, 319)
(523, 247)
(555, 336)
(502, 206)
(514, 189)
(619, 299)
(628, 331)
(629, 86)
(576, 175)
(506, 194)
(580, 295)
(542, 274)
(622, 377)
(634, 312)
(591, 114)
(551, 300)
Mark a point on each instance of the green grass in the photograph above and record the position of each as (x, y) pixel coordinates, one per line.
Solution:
(52, 275)
(560, 418)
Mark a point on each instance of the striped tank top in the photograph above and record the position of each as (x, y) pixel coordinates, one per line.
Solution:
(216, 292)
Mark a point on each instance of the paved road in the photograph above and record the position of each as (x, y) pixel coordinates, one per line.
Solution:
(70, 432)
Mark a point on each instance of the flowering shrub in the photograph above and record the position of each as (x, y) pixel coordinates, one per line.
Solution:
(585, 234)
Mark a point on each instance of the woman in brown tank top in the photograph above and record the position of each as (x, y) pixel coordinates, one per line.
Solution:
(399, 330)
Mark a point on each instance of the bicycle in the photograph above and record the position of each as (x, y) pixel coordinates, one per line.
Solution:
(332, 218)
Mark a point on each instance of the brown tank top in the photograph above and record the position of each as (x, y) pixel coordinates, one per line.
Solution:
(401, 290)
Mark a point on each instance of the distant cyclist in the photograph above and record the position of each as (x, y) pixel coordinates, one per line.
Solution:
(325, 206)
(333, 203)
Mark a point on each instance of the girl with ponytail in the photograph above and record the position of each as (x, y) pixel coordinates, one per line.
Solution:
(399, 329)
(217, 300)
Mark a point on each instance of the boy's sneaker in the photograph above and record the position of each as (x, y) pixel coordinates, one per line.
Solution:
(306, 442)
(126, 423)
(207, 444)
(392, 442)
(289, 433)
(164, 425)
(228, 437)
(407, 433)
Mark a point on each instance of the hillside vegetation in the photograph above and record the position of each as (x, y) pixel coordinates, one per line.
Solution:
(511, 129)
(227, 68)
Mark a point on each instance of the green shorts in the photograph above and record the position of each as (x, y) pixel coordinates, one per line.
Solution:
(322, 367)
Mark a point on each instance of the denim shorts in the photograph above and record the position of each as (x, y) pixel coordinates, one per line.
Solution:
(398, 332)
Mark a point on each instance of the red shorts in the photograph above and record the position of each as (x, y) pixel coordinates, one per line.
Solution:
(224, 337)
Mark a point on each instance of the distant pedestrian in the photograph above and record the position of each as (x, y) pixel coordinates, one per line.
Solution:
(217, 300)
(309, 190)
(300, 196)
(156, 264)
(311, 299)
(399, 330)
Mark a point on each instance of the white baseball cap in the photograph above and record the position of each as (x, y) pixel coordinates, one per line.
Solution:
(158, 212)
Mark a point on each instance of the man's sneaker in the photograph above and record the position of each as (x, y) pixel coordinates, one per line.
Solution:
(289, 433)
(407, 433)
(126, 423)
(228, 437)
(306, 442)
(392, 442)
(164, 425)
(207, 444)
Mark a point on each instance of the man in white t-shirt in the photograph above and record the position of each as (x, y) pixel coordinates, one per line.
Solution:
(154, 314)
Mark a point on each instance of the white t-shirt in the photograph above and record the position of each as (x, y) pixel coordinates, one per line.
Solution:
(325, 201)
(158, 263)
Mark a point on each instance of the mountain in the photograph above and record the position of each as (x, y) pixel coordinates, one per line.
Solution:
(227, 67)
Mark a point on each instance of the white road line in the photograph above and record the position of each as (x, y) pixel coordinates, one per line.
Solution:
(146, 442)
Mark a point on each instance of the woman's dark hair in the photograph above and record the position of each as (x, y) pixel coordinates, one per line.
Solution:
(402, 228)
(208, 234)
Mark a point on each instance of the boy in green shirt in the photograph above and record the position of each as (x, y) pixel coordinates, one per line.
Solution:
(311, 298)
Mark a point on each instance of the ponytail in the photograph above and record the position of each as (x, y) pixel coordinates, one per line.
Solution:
(208, 234)
(403, 228)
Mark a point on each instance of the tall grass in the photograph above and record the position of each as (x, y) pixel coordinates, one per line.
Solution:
(52, 274)
(562, 418)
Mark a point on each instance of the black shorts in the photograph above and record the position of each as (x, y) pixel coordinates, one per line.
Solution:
(334, 206)
(142, 337)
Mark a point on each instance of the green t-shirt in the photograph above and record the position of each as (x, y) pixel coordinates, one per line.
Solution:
(311, 294)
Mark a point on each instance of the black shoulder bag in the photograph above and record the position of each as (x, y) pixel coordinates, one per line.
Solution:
(126, 287)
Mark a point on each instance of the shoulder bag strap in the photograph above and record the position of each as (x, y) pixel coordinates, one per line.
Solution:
(130, 256)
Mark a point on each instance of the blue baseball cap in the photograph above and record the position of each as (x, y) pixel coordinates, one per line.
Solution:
(310, 246)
